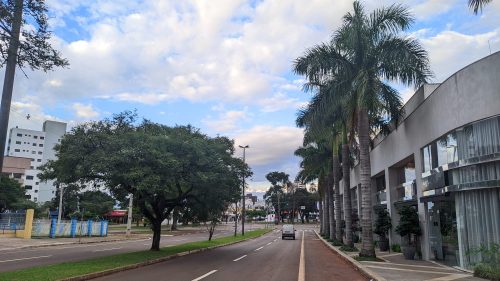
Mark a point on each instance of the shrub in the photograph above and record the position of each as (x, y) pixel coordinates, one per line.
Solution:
(348, 249)
(408, 223)
(396, 248)
(336, 242)
(487, 271)
(382, 224)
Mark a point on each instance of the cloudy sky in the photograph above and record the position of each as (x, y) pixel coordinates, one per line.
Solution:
(220, 65)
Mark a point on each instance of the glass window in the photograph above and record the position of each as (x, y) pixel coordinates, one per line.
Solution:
(35, 137)
(17, 150)
(451, 147)
(442, 151)
(29, 177)
(42, 138)
(18, 142)
(427, 158)
(19, 135)
(30, 187)
(40, 145)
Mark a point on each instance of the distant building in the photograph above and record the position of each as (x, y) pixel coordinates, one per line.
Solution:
(15, 167)
(38, 146)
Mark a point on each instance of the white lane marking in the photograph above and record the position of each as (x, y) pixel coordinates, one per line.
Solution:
(449, 277)
(302, 263)
(258, 249)
(240, 258)
(269, 243)
(205, 275)
(110, 249)
(30, 258)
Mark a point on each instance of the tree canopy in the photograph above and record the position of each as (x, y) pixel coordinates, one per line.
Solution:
(163, 167)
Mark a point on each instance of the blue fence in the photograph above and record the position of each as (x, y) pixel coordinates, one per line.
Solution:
(12, 221)
(72, 228)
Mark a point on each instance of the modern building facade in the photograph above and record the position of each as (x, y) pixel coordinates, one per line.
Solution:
(39, 147)
(444, 159)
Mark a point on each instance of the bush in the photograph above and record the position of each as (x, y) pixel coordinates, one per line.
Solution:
(396, 248)
(487, 271)
(336, 242)
(348, 249)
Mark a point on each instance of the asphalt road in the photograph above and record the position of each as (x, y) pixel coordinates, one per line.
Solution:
(264, 258)
(24, 258)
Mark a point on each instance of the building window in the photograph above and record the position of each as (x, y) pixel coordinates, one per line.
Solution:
(36, 183)
(31, 167)
(29, 187)
(28, 196)
(19, 135)
(18, 142)
(34, 144)
(40, 153)
(17, 175)
(33, 152)
(35, 137)
(38, 160)
(427, 158)
(29, 177)
(40, 145)
(42, 138)
(17, 150)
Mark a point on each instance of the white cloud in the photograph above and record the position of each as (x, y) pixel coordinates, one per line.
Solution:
(430, 8)
(85, 111)
(268, 144)
(278, 102)
(226, 121)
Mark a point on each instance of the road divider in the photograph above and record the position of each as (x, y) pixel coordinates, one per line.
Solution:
(97, 267)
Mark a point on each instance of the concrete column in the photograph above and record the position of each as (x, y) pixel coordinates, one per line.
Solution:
(422, 212)
(28, 223)
(391, 181)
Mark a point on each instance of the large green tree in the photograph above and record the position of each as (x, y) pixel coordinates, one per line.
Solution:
(366, 53)
(12, 196)
(275, 195)
(163, 167)
(33, 49)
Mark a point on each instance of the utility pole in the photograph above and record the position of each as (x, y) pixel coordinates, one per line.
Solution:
(129, 215)
(279, 209)
(10, 71)
(59, 213)
(243, 192)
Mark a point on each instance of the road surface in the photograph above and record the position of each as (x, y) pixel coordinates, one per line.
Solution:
(24, 258)
(264, 258)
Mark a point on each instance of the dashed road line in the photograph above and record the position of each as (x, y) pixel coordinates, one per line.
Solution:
(258, 249)
(110, 249)
(205, 275)
(269, 243)
(30, 258)
(242, 257)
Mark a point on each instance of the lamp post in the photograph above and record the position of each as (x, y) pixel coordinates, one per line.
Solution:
(243, 198)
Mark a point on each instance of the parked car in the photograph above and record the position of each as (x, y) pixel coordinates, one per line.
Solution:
(288, 231)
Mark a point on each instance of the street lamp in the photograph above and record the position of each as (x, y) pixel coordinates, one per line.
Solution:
(243, 191)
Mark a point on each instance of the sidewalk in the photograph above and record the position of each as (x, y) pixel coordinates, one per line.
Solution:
(396, 267)
(18, 243)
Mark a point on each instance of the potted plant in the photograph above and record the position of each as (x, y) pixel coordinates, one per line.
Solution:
(408, 226)
(382, 226)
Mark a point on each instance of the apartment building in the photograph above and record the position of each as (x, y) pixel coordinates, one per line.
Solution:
(39, 147)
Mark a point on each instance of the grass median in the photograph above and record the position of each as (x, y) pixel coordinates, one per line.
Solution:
(72, 269)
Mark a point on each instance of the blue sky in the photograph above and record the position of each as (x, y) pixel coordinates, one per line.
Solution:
(220, 65)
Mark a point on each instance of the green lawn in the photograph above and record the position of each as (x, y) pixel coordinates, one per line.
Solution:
(71, 269)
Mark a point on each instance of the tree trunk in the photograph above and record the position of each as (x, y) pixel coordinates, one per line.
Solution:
(367, 247)
(347, 194)
(156, 225)
(321, 228)
(175, 218)
(331, 214)
(327, 208)
(211, 231)
(338, 215)
(10, 71)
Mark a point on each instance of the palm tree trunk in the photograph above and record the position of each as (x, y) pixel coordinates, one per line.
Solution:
(338, 215)
(331, 215)
(327, 208)
(367, 247)
(321, 226)
(346, 168)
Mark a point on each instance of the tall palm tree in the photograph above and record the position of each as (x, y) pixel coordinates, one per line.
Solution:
(477, 5)
(365, 54)
(316, 164)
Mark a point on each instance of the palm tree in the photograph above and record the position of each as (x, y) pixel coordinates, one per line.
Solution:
(316, 164)
(477, 5)
(365, 54)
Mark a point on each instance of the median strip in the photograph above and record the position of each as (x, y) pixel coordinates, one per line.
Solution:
(93, 268)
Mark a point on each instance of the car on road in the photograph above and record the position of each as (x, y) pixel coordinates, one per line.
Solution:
(288, 231)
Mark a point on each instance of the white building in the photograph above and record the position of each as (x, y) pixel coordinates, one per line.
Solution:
(39, 146)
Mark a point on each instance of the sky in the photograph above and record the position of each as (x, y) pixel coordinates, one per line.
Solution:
(223, 66)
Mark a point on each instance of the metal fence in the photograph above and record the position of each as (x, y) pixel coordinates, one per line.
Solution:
(12, 221)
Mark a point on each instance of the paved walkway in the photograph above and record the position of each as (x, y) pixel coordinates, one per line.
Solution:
(397, 267)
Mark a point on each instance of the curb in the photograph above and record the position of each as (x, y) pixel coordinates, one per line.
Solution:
(150, 262)
(365, 271)
(70, 243)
